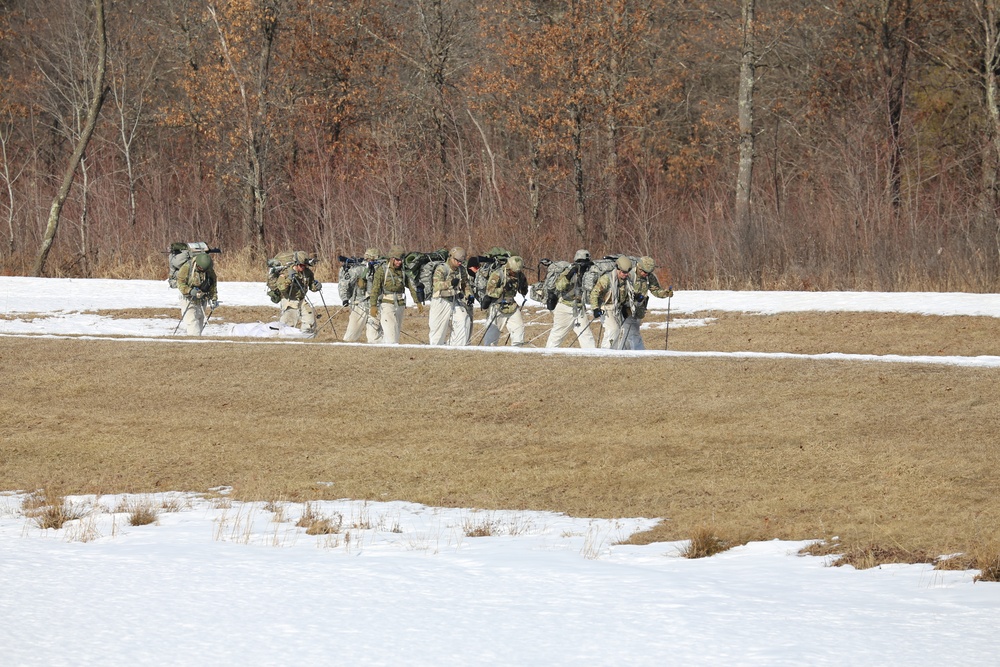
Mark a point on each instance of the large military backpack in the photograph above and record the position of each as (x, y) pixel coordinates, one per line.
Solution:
(600, 267)
(179, 254)
(351, 271)
(494, 259)
(280, 263)
(544, 291)
(420, 266)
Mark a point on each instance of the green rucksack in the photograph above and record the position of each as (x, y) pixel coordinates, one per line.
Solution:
(281, 262)
(180, 253)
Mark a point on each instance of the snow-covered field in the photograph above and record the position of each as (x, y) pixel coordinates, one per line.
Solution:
(220, 582)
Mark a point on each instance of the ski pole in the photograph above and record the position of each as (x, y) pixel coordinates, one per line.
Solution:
(666, 337)
(208, 316)
(329, 318)
(183, 315)
(489, 322)
(516, 309)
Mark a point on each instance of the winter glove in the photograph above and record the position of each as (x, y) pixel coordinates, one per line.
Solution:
(454, 282)
(346, 302)
(373, 311)
(215, 304)
(196, 293)
(487, 302)
(316, 286)
(598, 313)
(669, 293)
(471, 300)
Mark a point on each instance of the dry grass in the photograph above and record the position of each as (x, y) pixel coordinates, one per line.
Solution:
(319, 524)
(897, 454)
(48, 508)
(704, 543)
(141, 513)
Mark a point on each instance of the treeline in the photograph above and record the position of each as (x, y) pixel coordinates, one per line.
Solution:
(852, 144)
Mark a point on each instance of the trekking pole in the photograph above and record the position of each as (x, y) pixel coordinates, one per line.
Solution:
(181, 321)
(329, 317)
(539, 336)
(423, 342)
(208, 316)
(489, 322)
(666, 337)
(518, 307)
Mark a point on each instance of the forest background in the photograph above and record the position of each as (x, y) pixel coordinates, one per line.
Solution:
(790, 144)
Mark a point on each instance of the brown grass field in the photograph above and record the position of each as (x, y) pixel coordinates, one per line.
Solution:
(902, 455)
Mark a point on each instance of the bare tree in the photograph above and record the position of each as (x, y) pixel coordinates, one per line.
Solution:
(744, 178)
(87, 130)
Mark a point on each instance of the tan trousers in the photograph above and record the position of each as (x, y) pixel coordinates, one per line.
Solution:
(623, 335)
(450, 322)
(513, 323)
(359, 322)
(192, 315)
(295, 311)
(391, 318)
(563, 323)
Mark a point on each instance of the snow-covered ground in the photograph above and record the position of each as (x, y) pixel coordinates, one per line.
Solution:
(220, 582)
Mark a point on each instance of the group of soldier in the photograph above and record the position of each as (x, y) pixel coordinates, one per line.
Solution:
(374, 292)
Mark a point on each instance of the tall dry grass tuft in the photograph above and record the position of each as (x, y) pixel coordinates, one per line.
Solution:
(988, 566)
(985, 558)
(704, 543)
(50, 509)
(319, 524)
(141, 513)
(483, 527)
(875, 555)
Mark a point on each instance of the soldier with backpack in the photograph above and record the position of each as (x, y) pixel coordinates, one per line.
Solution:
(646, 283)
(570, 311)
(613, 301)
(293, 284)
(502, 287)
(387, 298)
(354, 283)
(198, 286)
(451, 301)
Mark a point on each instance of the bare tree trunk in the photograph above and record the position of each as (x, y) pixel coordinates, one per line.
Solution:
(93, 112)
(254, 133)
(579, 201)
(744, 179)
(534, 196)
(611, 211)
(8, 181)
(989, 19)
(895, 57)
(84, 218)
